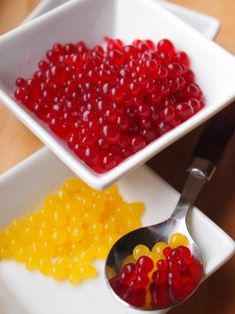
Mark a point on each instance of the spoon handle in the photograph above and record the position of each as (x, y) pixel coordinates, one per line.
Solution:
(208, 150)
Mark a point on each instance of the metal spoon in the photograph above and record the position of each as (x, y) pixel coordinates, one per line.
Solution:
(209, 148)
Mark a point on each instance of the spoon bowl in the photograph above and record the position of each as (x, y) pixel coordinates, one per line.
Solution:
(148, 236)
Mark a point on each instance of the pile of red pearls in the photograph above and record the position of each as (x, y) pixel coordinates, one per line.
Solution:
(146, 285)
(108, 103)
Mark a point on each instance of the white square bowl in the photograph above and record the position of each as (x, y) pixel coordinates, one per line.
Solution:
(23, 189)
(91, 20)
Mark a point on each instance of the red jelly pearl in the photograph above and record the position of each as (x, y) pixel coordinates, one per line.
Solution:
(91, 155)
(108, 161)
(43, 65)
(144, 111)
(176, 254)
(144, 264)
(58, 48)
(20, 82)
(184, 111)
(168, 114)
(58, 74)
(160, 295)
(195, 270)
(116, 57)
(159, 277)
(162, 265)
(117, 94)
(123, 122)
(189, 76)
(20, 94)
(128, 273)
(174, 70)
(172, 264)
(130, 51)
(111, 133)
(167, 251)
(182, 265)
(141, 281)
(137, 143)
(174, 279)
(195, 104)
(185, 253)
(182, 57)
(135, 297)
(193, 91)
(165, 45)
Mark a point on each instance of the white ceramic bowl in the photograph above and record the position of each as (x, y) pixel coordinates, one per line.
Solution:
(91, 20)
(22, 190)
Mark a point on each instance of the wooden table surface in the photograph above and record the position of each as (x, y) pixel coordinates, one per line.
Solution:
(217, 294)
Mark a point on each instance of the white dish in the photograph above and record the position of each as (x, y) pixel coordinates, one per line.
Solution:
(29, 292)
(92, 20)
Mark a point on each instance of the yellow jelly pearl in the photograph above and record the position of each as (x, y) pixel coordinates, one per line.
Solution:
(9, 233)
(87, 271)
(156, 256)
(14, 244)
(111, 238)
(95, 228)
(76, 249)
(177, 239)
(21, 255)
(51, 201)
(74, 278)
(60, 268)
(75, 221)
(59, 237)
(159, 247)
(44, 231)
(76, 234)
(109, 227)
(91, 216)
(98, 206)
(39, 248)
(32, 262)
(72, 185)
(112, 190)
(132, 223)
(31, 221)
(136, 209)
(49, 248)
(63, 250)
(5, 253)
(140, 250)
(85, 256)
(63, 195)
(45, 265)
(59, 218)
(101, 251)
(129, 259)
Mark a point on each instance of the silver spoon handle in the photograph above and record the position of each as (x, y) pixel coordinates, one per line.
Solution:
(207, 153)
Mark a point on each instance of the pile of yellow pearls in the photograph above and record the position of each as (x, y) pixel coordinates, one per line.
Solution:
(74, 227)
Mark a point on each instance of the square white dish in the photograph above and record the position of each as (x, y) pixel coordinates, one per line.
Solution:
(29, 292)
(86, 19)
